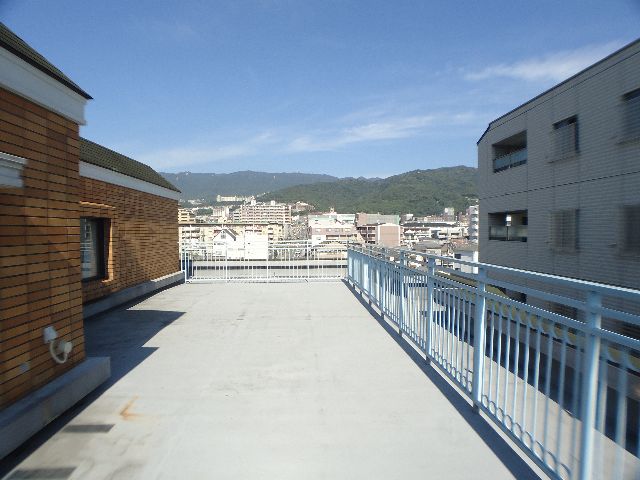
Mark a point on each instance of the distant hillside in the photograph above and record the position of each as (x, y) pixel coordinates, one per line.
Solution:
(208, 185)
(421, 192)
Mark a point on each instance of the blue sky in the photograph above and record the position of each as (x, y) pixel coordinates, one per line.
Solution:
(349, 88)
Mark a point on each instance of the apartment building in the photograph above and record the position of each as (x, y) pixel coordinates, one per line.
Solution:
(384, 234)
(185, 215)
(261, 212)
(473, 215)
(376, 218)
(82, 228)
(330, 218)
(559, 178)
(207, 233)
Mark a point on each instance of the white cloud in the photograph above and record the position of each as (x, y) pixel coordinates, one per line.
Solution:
(556, 66)
(387, 129)
(189, 156)
(277, 142)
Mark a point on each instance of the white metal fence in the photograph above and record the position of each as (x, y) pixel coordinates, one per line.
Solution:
(566, 390)
(276, 262)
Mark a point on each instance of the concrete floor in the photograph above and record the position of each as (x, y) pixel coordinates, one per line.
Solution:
(291, 380)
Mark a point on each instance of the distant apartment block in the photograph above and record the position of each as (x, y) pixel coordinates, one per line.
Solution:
(186, 216)
(474, 219)
(559, 177)
(233, 198)
(331, 217)
(383, 234)
(197, 234)
(271, 212)
(376, 218)
(333, 227)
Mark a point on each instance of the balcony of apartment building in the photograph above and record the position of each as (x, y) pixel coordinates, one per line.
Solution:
(352, 362)
(510, 152)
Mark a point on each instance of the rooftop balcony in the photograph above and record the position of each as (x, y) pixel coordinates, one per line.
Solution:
(355, 363)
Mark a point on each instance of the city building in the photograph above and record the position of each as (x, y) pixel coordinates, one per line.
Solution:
(376, 218)
(330, 218)
(383, 234)
(82, 229)
(197, 234)
(263, 212)
(473, 218)
(234, 198)
(467, 252)
(185, 215)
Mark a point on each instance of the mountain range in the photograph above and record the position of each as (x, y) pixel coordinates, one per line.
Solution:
(421, 192)
(208, 185)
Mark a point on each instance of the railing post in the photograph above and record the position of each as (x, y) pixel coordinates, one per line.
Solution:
(401, 313)
(479, 331)
(268, 252)
(588, 405)
(382, 284)
(431, 271)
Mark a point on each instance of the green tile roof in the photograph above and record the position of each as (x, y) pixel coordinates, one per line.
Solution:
(95, 154)
(13, 43)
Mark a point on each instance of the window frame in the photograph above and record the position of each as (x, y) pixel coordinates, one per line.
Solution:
(102, 244)
(627, 247)
(559, 127)
(563, 245)
(631, 133)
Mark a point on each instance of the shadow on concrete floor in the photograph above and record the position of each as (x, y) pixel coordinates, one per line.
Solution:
(120, 334)
(498, 445)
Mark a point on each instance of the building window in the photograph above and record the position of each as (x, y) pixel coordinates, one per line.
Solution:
(631, 107)
(93, 247)
(564, 230)
(565, 141)
(631, 228)
(510, 152)
(509, 226)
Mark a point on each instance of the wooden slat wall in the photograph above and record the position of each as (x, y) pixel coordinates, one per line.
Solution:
(143, 237)
(39, 247)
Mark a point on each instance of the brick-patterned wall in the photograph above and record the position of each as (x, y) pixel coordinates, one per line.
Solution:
(143, 241)
(39, 247)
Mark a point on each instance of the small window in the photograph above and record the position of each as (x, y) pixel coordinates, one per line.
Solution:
(565, 141)
(509, 226)
(93, 247)
(632, 114)
(564, 230)
(631, 228)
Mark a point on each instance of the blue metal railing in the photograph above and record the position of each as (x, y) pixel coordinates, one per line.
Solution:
(565, 390)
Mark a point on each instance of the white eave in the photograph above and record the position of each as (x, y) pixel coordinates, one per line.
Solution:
(88, 170)
(27, 81)
(11, 170)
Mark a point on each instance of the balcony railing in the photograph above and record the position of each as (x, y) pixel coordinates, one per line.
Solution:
(264, 261)
(566, 391)
(514, 233)
(513, 159)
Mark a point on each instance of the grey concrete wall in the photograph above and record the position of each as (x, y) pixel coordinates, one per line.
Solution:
(598, 180)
